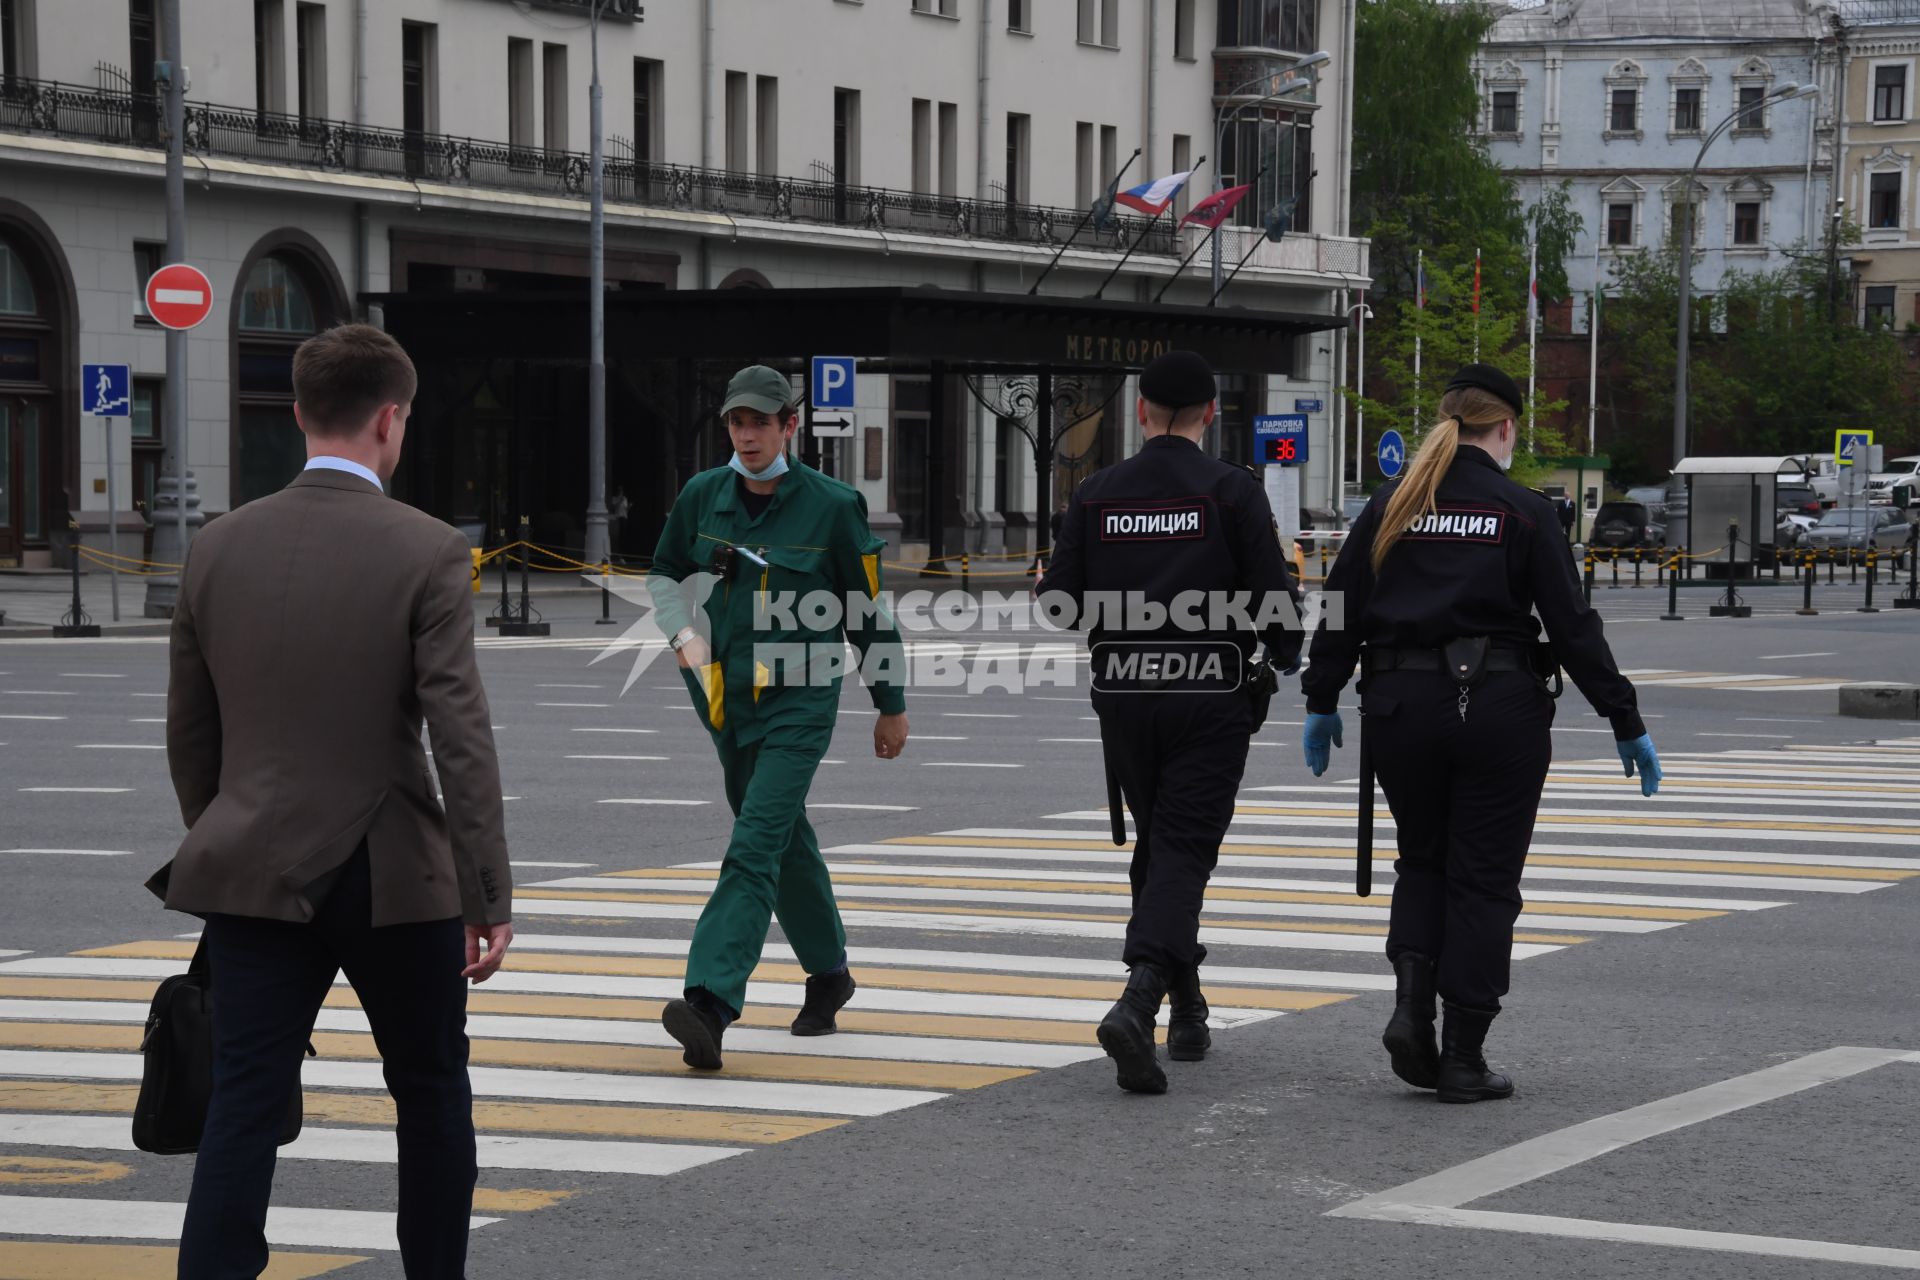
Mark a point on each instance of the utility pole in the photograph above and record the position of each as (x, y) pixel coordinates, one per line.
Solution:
(174, 489)
(597, 550)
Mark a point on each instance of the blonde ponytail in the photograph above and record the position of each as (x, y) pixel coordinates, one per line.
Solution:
(1470, 414)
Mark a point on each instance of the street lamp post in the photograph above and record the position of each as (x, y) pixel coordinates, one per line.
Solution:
(1785, 93)
(597, 548)
(1365, 313)
(1224, 116)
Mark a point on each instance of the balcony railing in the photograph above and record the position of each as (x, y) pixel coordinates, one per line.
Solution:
(132, 119)
(1869, 12)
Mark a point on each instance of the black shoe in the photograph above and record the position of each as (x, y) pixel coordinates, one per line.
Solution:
(827, 994)
(1126, 1033)
(1409, 1034)
(1463, 1070)
(698, 1028)
(1187, 1036)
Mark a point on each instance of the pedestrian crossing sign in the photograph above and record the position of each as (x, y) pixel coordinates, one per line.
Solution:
(1847, 444)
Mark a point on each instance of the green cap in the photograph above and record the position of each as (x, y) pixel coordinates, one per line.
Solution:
(759, 388)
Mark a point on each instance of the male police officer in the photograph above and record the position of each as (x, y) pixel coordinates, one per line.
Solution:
(744, 549)
(1174, 533)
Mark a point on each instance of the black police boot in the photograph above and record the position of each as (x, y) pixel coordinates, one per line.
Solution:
(1409, 1034)
(1187, 1036)
(1463, 1069)
(1126, 1033)
(827, 994)
(697, 1022)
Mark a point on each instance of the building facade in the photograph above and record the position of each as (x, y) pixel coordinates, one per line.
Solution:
(1879, 145)
(344, 151)
(1617, 98)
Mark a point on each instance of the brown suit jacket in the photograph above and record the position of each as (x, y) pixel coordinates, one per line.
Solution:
(314, 630)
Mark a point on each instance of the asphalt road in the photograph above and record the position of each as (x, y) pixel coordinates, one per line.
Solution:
(1232, 1173)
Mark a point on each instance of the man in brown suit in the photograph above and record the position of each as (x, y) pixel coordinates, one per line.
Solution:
(315, 629)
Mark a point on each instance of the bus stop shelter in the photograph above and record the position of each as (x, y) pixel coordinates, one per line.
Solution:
(1730, 507)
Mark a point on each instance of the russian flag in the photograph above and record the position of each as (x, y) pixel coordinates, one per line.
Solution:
(1152, 198)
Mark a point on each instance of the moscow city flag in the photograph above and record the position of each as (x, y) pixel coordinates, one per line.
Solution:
(1216, 208)
(1152, 198)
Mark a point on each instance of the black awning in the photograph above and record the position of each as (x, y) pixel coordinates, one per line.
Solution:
(907, 327)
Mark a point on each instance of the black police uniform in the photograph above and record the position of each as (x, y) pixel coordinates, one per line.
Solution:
(1171, 520)
(1463, 770)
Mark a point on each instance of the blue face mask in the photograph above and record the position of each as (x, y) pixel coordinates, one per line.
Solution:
(775, 469)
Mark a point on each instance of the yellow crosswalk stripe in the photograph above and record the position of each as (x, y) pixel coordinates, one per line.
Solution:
(1216, 893)
(1711, 784)
(1597, 861)
(1010, 913)
(550, 1055)
(951, 1025)
(666, 1124)
(50, 1260)
(1615, 820)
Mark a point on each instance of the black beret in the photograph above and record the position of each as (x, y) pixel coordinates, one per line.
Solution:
(1178, 379)
(1494, 382)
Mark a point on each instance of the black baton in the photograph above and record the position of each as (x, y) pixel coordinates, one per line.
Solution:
(1115, 808)
(1363, 844)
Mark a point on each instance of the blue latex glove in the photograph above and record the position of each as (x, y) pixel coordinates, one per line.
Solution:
(1640, 752)
(1320, 731)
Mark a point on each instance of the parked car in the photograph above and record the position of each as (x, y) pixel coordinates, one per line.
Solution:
(1626, 524)
(1800, 499)
(1792, 529)
(1899, 471)
(1855, 529)
(1653, 497)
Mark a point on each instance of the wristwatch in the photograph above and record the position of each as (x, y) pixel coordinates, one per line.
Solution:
(682, 638)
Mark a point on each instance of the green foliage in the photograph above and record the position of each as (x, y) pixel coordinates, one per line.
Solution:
(1446, 330)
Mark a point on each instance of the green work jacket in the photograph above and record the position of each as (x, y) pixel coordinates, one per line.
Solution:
(757, 621)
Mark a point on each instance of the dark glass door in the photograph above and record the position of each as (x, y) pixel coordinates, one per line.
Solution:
(413, 95)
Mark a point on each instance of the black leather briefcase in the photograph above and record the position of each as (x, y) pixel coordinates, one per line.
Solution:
(177, 1066)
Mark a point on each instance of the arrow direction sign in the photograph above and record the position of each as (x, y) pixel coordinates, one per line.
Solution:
(834, 425)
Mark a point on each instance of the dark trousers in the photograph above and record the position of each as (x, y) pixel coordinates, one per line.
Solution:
(1464, 795)
(1179, 758)
(268, 980)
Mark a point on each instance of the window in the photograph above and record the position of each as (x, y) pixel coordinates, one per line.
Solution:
(419, 89)
(647, 102)
(148, 258)
(1182, 163)
(734, 127)
(275, 300)
(766, 142)
(1880, 301)
(1506, 111)
(144, 413)
(846, 136)
(16, 38)
(1890, 93)
(1183, 29)
(269, 56)
(1619, 224)
(1753, 107)
(1083, 165)
(949, 149)
(1099, 23)
(922, 146)
(310, 61)
(1109, 154)
(1746, 222)
(1290, 25)
(1883, 200)
(1686, 110)
(944, 8)
(519, 93)
(277, 310)
(1020, 15)
(1624, 113)
(555, 100)
(1019, 134)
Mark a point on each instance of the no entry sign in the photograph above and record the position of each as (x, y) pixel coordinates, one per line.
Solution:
(179, 296)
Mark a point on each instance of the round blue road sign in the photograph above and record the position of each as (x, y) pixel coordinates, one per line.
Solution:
(1393, 454)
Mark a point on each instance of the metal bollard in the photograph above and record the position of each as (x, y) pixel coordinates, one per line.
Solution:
(1911, 598)
(1589, 575)
(1809, 573)
(1831, 570)
(1673, 591)
(1613, 558)
(74, 623)
(964, 581)
(1636, 567)
(1867, 607)
(521, 623)
(1853, 568)
(606, 597)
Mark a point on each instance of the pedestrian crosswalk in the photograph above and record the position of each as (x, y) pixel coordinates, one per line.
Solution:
(984, 954)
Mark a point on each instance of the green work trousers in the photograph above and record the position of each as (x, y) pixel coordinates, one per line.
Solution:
(773, 867)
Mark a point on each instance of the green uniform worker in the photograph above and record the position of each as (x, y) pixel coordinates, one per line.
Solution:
(764, 571)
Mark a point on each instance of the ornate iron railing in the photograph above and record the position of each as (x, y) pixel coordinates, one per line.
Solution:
(109, 116)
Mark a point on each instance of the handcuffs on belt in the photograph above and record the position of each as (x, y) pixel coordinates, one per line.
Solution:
(1465, 660)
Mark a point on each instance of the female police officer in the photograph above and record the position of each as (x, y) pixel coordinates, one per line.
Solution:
(1442, 575)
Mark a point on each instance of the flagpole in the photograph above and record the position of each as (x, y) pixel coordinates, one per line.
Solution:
(1082, 225)
(1419, 304)
(1244, 259)
(1143, 233)
(1593, 359)
(1476, 305)
(1533, 329)
(1205, 240)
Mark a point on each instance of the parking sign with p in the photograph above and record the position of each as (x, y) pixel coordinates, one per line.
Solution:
(832, 383)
